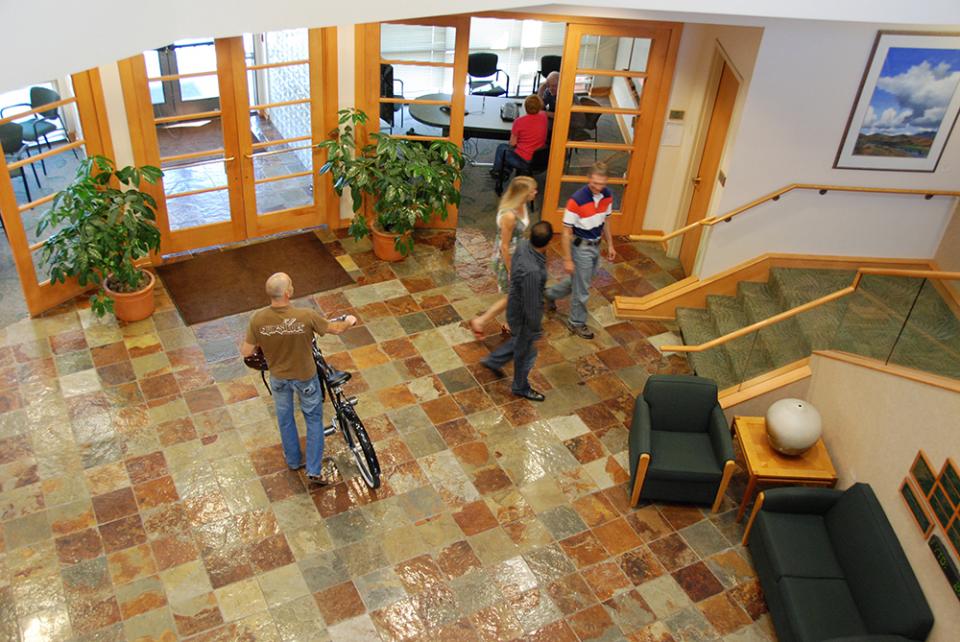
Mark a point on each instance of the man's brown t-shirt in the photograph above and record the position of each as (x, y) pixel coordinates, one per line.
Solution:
(284, 334)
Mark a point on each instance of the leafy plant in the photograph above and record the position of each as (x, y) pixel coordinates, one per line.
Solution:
(408, 180)
(102, 230)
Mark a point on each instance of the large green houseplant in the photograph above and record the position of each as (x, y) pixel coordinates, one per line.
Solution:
(103, 225)
(409, 181)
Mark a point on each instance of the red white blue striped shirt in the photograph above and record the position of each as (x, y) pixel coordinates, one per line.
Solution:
(587, 212)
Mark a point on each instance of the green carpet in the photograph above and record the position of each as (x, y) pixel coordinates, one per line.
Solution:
(876, 321)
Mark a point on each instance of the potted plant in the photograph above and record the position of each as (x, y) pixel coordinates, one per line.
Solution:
(409, 181)
(101, 231)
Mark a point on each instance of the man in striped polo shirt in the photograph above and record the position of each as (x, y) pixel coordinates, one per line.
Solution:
(583, 226)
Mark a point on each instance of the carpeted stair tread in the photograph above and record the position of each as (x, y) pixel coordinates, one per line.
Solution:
(697, 327)
(747, 355)
(798, 286)
(784, 341)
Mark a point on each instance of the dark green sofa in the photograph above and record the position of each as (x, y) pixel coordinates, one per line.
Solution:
(831, 567)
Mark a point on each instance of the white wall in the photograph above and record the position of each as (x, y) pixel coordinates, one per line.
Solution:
(874, 423)
(670, 190)
(802, 90)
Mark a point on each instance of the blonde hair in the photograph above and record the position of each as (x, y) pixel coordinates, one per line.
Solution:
(533, 104)
(517, 193)
(599, 169)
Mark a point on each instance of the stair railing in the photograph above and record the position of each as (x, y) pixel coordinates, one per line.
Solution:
(775, 196)
(809, 305)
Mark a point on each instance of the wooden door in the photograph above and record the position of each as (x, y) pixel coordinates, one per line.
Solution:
(27, 192)
(612, 98)
(708, 170)
(443, 58)
(245, 168)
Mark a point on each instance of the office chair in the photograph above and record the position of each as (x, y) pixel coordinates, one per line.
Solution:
(41, 125)
(14, 149)
(483, 67)
(582, 124)
(548, 64)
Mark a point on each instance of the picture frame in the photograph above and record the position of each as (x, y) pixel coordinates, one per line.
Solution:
(907, 104)
(915, 503)
(922, 472)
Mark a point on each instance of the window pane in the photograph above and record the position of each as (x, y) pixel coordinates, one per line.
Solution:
(520, 46)
(415, 42)
(152, 60)
(284, 46)
(61, 170)
(199, 209)
(610, 52)
(567, 190)
(284, 194)
(300, 160)
(195, 56)
(275, 123)
(601, 128)
(578, 161)
(187, 136)
(411, 81)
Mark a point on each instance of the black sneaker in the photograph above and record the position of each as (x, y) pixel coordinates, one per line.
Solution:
(581, 331)
(531, 394)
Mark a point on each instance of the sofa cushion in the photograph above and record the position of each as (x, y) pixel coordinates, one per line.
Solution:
(797, 545)
(880, 577)
(683, 456)
(819, 609)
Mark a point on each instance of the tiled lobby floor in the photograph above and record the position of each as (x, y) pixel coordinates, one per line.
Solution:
(144, 495)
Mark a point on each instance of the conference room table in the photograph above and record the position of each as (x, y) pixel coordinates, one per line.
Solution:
(481, 118)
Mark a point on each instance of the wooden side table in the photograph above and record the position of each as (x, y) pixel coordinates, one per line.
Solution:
(766, 466)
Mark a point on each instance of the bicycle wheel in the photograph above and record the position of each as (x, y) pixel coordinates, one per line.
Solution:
(363, 452)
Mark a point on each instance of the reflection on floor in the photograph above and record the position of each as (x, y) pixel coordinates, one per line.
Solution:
(144, 495)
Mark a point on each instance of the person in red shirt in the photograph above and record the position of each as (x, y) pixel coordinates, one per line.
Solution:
(529, 133)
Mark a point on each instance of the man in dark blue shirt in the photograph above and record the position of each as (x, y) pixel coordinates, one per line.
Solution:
(528, 276)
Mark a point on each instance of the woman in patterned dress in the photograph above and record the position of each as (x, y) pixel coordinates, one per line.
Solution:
(512, 222)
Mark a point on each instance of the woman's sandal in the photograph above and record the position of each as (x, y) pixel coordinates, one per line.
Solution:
(505, 330)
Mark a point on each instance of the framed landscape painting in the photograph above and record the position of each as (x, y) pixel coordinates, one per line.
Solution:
(907, 104)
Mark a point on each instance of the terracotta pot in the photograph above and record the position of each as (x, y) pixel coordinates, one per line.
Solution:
(384, 244)
(133, 306)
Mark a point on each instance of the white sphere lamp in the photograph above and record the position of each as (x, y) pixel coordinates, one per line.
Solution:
(793, 426)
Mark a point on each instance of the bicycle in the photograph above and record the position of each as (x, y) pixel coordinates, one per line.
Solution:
(345, 419)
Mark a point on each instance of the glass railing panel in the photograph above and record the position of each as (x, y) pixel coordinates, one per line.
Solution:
(871, 318)
(929, 338)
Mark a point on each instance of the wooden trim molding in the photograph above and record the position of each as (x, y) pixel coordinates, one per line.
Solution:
(728, 469)
(643, 462)
(919, 376)
(757, 504)
(692, 291)
(767, 382)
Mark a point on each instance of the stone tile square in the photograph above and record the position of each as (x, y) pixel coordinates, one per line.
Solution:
(123, 533)
(141, 596)
(283, 584)
(114, 505)
(698, 582)
(240, 599)
(704, 538)
(673, 552)
(339, 602)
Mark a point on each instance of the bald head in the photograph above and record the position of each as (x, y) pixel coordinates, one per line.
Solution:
(279, 287)
(552, 80)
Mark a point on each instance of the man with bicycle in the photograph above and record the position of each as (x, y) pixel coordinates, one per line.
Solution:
(285, 335)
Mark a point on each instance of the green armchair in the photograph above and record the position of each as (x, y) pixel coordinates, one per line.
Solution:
(680, 444)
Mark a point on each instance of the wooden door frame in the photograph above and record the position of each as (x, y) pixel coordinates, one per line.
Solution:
(367, 86)
(96, 140)
(646, 142)
(687, 247)
(244, 221)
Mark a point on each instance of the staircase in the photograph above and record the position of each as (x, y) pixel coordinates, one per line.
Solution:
(866, 322)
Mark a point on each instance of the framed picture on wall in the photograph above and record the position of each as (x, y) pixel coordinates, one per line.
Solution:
(907, 104)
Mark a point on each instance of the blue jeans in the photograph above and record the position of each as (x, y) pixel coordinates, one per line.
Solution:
(311, 405)
(506, 157)
(522, 349)
(585, 259)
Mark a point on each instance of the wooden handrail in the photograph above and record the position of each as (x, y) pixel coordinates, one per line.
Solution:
(809, 305)
(772, 196)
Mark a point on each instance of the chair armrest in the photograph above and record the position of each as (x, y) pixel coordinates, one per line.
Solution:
(640, 429)
(720, 437)
(4, 109)
(799, 499)
(501, 71)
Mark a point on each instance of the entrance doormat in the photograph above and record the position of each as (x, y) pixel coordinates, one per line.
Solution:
(220, 283)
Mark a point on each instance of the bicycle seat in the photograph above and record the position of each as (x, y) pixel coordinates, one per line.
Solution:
(337, 377)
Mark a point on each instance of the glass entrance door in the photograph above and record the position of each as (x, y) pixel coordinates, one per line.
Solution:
(611, 102)
(233, 129)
